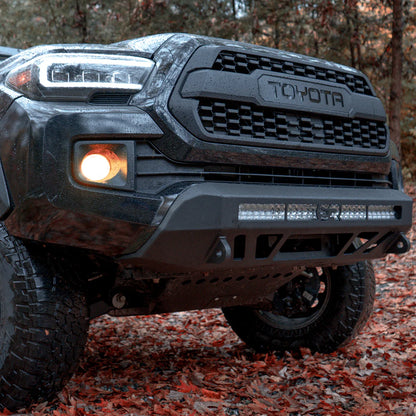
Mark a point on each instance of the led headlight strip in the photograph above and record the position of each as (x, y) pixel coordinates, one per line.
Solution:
(311, 212)
(94, 71)
(77, 75)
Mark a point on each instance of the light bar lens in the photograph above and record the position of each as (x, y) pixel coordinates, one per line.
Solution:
(321, 212)
(381, 212)
(301, 212)
(261, 212)
(354, 212)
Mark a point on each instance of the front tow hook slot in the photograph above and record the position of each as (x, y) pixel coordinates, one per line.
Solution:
(220, 252)
(400, 246)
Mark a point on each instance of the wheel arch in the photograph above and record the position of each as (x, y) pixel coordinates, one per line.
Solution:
(6, 204)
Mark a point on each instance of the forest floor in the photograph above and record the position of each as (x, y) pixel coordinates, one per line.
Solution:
(191, 363)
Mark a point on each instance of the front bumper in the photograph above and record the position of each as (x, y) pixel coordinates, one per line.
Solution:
(202, 231)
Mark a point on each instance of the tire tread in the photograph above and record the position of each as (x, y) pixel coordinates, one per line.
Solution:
(50, 323)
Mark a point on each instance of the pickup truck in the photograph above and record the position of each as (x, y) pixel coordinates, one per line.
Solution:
(177, 172)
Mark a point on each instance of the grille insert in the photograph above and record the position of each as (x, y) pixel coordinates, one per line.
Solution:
(263, 126)
(246, 64)
(110, 98)
(294, 176)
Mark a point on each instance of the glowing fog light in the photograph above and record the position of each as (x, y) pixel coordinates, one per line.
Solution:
(109, 164)
(95, 167)
(100, 166)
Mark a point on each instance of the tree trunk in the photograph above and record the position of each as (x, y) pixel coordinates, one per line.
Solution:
(352, 18)
(396, 92)
(81, 21)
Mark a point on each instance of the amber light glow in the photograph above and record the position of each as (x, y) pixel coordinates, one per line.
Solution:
(100, 165)
(20, 78)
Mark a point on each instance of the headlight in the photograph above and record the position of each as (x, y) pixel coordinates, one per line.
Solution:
(76, 76)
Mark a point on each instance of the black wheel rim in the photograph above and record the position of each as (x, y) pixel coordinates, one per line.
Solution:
(281, 320)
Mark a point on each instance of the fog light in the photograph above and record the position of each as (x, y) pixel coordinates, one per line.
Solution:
(100, 166)
(109, 164)
(95, 167)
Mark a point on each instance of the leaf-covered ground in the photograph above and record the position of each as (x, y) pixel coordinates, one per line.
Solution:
(192, 364)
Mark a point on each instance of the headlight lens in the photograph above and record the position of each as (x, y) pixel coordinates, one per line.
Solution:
(76, 76)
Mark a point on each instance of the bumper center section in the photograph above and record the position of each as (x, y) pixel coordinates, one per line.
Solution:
(218, 227)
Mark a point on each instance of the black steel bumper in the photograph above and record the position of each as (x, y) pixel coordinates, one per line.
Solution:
(202, 230)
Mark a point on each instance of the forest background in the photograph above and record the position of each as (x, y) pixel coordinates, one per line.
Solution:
(376, 36)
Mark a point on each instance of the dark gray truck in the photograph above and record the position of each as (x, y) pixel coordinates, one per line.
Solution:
(179, 172)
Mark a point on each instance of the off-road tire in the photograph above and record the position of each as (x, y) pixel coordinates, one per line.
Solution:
(347, 309)
(43, 323)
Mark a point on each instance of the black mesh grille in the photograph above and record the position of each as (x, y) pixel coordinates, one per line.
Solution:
(110, 98)
(265, 126)
(294, 176)
(246, 64)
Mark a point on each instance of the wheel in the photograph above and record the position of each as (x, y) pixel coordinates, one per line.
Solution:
(321, 309)
(43, 324)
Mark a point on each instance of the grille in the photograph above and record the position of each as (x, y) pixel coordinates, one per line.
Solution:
(263, 126)
(110, 98)
(155, 174)
(246, 64)
(294, 176)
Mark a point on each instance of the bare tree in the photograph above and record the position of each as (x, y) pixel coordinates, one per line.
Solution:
(396, 91)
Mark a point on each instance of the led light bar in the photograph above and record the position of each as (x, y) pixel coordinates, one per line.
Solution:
(381, 212)
(353, 212)
(317, 212)
(261, 212)
(301, 212)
